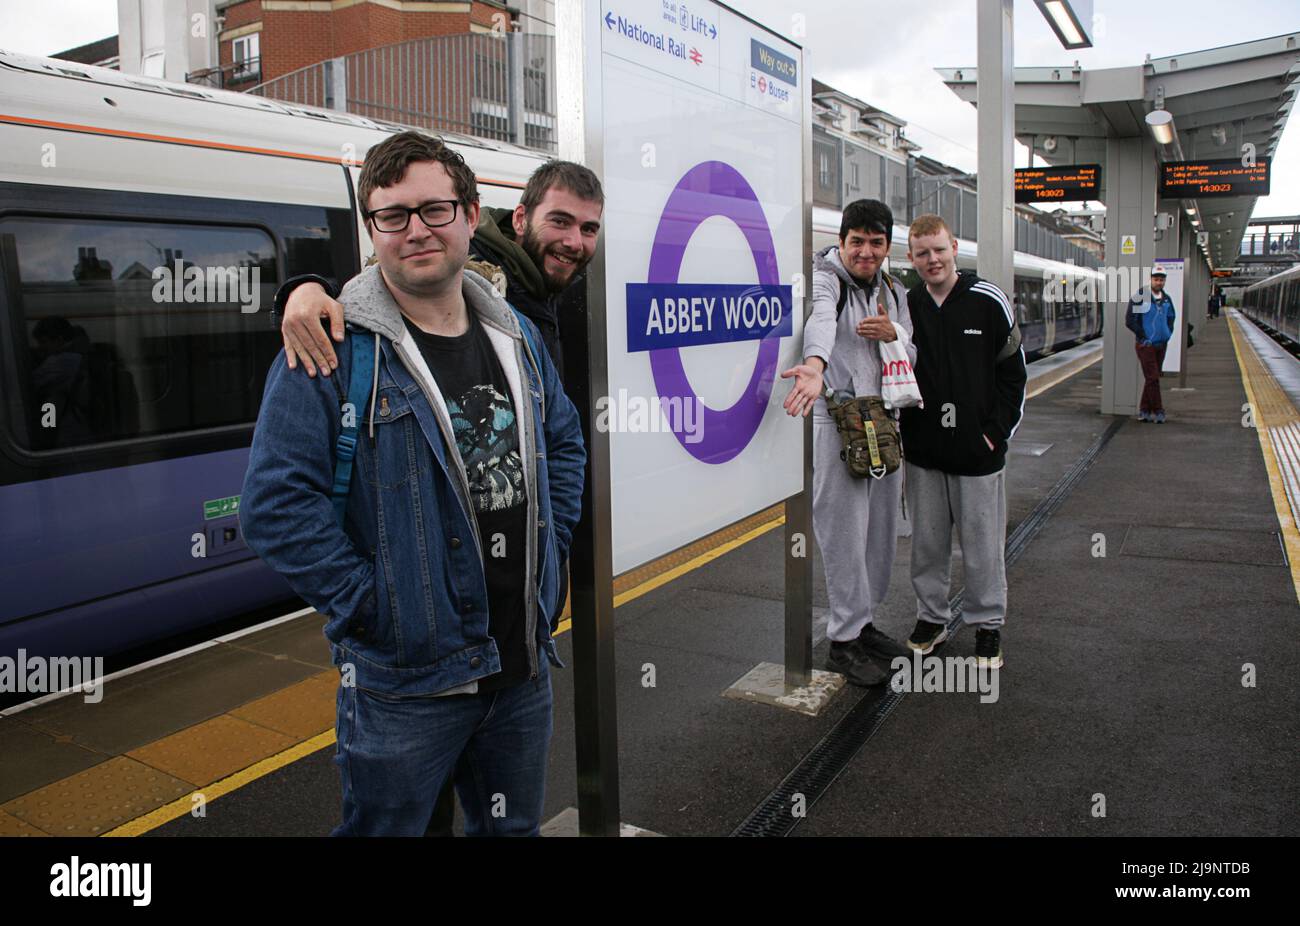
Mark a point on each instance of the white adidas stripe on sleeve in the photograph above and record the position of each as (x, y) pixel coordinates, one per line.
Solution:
(991, 290)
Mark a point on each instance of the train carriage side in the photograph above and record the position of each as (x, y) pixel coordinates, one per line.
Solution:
(1275, 303)
(141, 243)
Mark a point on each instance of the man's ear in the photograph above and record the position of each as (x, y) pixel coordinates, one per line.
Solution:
(519, 220)
(472, 216)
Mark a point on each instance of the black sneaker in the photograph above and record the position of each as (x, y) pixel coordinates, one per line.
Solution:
(988, 648)
(849, 660)
(926, 635)
(875, 643)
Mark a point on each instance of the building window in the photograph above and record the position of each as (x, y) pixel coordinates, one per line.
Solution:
(246, 54)
(490, 77)
(853, 175)
(539, 136)
(490, 125)
(823, 168)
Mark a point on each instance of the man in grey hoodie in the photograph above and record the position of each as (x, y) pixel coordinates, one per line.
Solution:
(855, 307)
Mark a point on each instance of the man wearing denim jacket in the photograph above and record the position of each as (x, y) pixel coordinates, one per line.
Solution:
(440, 589)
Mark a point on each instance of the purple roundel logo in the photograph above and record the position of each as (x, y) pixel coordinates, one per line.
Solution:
(665, 315)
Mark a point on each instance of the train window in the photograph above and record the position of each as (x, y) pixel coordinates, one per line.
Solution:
(126, 329)
(1029, 295)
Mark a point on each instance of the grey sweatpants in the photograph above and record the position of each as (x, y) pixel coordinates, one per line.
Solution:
(856, 523)
(978, 506)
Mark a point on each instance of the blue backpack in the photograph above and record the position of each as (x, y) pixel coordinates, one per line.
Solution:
(359, 383)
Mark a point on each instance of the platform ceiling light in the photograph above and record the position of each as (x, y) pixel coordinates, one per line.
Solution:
(1220, 135)
(1161, 123)
(1050, 144)
(1071, 20)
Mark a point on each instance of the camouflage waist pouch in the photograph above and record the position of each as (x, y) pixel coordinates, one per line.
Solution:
(868, 433)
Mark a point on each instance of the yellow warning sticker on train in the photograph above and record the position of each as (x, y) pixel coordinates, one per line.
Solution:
(1129, 245)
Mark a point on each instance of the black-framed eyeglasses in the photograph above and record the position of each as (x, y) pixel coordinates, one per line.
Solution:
(433, 214)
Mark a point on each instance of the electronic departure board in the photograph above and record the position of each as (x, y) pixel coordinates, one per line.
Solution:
(1069, 183)
(1226, 177)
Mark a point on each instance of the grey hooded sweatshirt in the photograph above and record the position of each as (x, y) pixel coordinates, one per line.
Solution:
(368, 303)
(849, 357)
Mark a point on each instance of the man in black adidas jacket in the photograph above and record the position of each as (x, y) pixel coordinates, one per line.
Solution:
(971, 371)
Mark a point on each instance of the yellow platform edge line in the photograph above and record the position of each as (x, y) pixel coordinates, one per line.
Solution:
(1281, 502)
(183, 805)
(649, 585)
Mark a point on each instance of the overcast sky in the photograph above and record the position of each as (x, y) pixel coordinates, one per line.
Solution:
(867, 49)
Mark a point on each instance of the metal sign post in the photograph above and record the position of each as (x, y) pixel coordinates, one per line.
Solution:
(696, 120)
(595, 713)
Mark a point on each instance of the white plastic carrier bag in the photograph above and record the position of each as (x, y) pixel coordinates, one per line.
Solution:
(898, 386)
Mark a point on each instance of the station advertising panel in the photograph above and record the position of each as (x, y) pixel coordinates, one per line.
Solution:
(1224, 177)
(1174, 287)
(1065, 184)
(703, 163)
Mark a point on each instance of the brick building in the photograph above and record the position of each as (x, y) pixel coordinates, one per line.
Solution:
(260, 40)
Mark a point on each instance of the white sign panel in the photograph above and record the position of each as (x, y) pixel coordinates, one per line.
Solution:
(703, 228)
(1174, 287)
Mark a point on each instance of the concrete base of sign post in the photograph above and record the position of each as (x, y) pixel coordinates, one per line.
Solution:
(565, 823)
(765, 683)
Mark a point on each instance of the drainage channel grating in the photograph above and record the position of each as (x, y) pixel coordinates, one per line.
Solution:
(824, 763)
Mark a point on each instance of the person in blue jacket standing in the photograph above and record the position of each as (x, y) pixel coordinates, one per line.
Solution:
(1151, 318)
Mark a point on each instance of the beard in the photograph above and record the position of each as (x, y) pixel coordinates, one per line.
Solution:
(532, 245)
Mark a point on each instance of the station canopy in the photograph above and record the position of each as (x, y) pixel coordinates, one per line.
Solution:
(1220, 99)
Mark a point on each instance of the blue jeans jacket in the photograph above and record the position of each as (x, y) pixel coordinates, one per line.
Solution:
(402, 584)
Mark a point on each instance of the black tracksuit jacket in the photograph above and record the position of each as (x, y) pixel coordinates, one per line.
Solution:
(966, 393)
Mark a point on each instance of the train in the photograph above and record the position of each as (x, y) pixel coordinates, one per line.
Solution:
(1275, 303)
(127, 413)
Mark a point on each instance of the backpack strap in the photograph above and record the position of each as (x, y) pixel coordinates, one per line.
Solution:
(345, 448)
(532, 355)
(1013, 342)
(886, 286)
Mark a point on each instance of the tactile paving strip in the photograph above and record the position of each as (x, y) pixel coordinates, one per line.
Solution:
(12, 826)
(211, 750)
(98, 799)
(1276, 420)
(300, 711)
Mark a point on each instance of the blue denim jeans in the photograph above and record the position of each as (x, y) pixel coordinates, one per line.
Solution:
(395, 753)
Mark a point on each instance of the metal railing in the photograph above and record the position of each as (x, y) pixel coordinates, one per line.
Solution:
(491, 85)
(238, 75)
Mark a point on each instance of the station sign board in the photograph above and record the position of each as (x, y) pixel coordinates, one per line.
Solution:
(703, 159)
(1063, 184)
(1222, 177)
